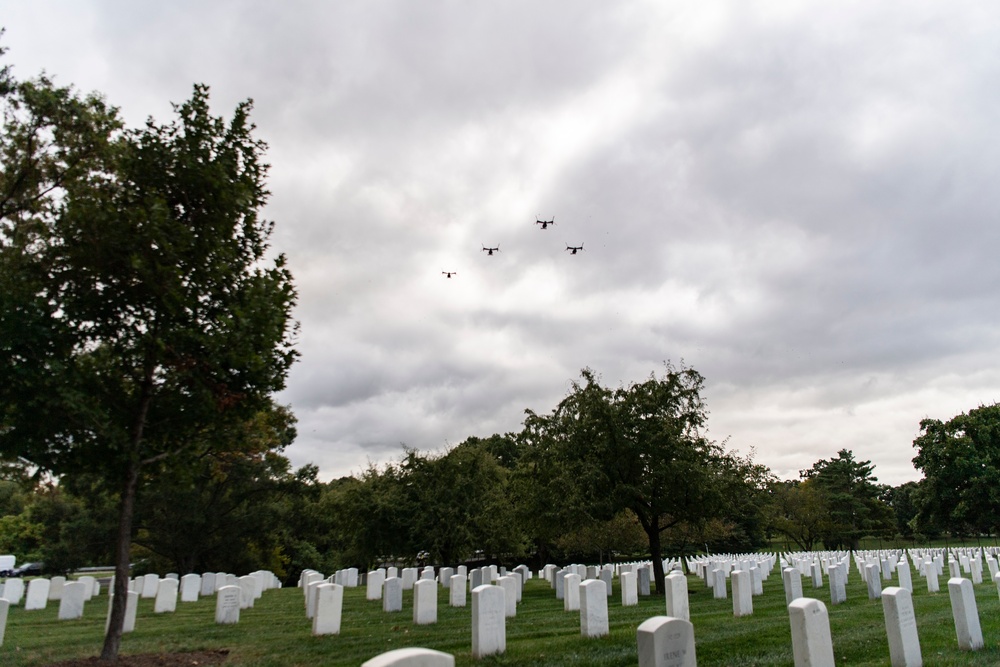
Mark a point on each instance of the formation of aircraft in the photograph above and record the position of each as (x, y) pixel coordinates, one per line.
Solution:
(490, 251)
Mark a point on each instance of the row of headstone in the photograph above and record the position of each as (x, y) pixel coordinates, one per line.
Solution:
(348, 578)
(704, 566)
(661, 641)
(41, 590)
(73, 596)
(812, 643)
(490, 609)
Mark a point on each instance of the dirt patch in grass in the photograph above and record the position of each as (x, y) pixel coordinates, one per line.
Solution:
(195, 659)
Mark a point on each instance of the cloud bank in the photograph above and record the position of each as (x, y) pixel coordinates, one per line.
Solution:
(796, 199)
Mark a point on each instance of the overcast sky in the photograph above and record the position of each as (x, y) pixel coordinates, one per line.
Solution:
(798, 199)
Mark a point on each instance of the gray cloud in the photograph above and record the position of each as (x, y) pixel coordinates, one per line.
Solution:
(794, 198)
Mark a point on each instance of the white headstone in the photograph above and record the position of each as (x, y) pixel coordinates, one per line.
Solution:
(412, 657)
(976, 570)
(838, 587)
(571, 592)
(630, 595)
(71, 603)
(38, 594)
(792, 579)
(56, 587)
(905, 576)
(373, 585)
(329, 607)
(888, 566)
(445, 575)
(425, 602)
(166, 596)
(150, 584)
(258, 586)
(560, 581)
(248, 588)
(13, 590)
(509, 584)
(409, 578)
(392, 594)
(489, 630)
(606, 576)
(664, 641)
(593, 609)
(933, 585)
(873, 574)
(190, 587)
(901, 627)
(742, 593)
(965, 613)
(4, 610)
(263, 582)
(312, 593)
(456, 590)
(643, 581)
(227, 605)
(131, 607)
(677, 596)
(719, 585)
(88, 582)
(812, 645)
(208, 583)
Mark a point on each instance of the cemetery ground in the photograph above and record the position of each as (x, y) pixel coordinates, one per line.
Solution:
(276, 633)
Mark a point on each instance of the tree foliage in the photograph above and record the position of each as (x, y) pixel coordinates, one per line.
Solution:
(799, 512)
(960, 459)
(223, 511)
(140, 313)
(636, 448)
(443, 508)
(854, 503)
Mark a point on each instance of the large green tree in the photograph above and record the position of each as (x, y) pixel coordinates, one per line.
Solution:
(852, 498)
(960, 459)
(638, 447)
(142, 313)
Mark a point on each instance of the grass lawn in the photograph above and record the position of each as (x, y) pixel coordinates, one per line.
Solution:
(276, 632)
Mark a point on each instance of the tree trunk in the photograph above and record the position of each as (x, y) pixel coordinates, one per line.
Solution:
(656, 551)
(113, 638)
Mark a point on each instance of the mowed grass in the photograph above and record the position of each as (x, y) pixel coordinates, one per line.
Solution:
(276, 633)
